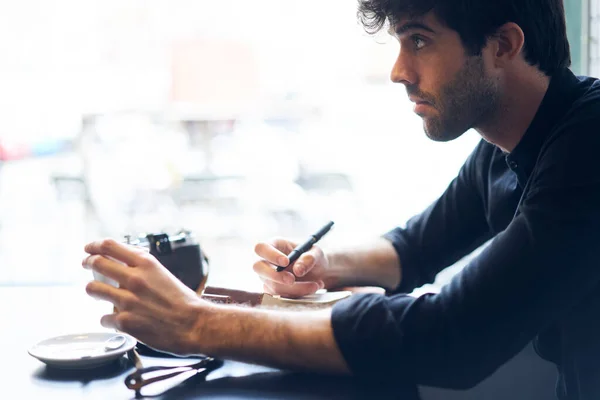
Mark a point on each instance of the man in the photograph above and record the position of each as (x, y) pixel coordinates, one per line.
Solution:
(532, 184)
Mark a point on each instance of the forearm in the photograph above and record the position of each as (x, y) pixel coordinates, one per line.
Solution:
(290, 340)
(373, 264)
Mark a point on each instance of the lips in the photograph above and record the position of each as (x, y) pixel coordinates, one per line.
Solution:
(418, 101)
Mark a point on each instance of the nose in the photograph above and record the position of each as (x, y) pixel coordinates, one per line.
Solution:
(403, 70)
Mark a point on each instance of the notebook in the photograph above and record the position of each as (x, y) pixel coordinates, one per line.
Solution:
(321, 299)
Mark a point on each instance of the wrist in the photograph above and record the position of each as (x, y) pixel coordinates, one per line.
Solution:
(333, 272)
(198, 337)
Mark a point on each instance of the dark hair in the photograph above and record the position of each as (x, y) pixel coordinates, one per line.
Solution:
(542, 21)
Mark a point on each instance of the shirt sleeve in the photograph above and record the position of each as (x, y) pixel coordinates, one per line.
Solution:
(458, 217)
(529, 277)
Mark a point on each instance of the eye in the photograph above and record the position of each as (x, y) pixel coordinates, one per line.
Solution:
(418, 42)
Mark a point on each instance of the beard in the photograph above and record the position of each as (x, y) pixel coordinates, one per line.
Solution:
(469, 98)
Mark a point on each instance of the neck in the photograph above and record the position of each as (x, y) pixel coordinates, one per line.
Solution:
(521, 98)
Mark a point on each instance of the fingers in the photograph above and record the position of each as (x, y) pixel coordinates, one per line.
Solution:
(120, 298)
(106, 267)
(110, 321)
(130, 255)
(275, 251)
(298, 289)
(282, 244)
(284, 283)
(126, 322)
(308, 261)
(265, 270)
(305, 263)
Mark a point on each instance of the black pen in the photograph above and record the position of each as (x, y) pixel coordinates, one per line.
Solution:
(304, 247)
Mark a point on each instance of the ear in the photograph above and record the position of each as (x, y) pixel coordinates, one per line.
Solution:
(509, 41)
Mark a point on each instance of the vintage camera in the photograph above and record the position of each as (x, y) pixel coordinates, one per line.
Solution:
(179, 253)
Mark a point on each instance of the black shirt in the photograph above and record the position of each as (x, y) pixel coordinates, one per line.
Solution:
(538, 279)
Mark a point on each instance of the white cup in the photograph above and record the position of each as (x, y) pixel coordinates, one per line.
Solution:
(105, 279)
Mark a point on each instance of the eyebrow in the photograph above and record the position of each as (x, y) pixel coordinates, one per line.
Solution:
(408, 27)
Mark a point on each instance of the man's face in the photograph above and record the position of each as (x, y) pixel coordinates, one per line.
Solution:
(451, 90)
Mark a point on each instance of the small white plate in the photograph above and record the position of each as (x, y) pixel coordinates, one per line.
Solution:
(80, 351)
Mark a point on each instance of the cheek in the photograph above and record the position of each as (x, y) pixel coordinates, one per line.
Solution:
(436, 74)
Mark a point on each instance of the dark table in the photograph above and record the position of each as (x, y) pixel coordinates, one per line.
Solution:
(31, 314)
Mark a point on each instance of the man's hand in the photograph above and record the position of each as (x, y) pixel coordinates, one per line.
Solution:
(304, 277)
(162, 312)
(153, 305)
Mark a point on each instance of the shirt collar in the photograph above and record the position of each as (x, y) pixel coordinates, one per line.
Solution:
(556, 103)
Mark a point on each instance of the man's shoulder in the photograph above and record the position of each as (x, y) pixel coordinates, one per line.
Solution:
(581, 123)
(586, 105)
(575, 139)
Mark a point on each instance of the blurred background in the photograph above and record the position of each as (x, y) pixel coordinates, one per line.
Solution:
(238, 120)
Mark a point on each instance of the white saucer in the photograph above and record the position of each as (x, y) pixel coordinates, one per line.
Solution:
(80, 351)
